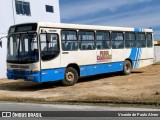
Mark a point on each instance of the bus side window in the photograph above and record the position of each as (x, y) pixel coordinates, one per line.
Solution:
(103, 40)
(141, 40)
(149, 40)
(86, 40)
(130, 40)
(69, 40)
(117, 40)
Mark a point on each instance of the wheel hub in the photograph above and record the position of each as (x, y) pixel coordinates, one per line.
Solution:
(70, 76)
(128, 67)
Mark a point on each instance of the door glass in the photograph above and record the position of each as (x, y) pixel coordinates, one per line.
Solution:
(49, 46)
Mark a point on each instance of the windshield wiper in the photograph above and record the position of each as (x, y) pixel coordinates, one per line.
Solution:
(29, 35)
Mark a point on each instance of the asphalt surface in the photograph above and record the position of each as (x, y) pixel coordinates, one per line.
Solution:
(57, 107)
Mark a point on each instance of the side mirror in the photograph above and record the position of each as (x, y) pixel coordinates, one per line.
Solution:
(1, 44)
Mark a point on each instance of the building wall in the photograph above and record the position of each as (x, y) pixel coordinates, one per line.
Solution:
(8, 17)
(38, 12)
(157, 53)
(3, 53)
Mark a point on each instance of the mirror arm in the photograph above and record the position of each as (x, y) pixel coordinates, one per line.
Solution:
(46, 34)
(1, 40)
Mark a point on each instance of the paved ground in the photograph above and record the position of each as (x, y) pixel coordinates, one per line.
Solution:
(141, 87)
(57, 107)
(6, 106)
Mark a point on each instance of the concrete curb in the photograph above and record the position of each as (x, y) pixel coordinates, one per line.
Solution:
(45, 101)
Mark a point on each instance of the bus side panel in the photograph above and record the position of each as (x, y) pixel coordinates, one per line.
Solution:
(147, 57)
(115, 67)
(140, 57)
(120, 55)
(86, 70)
(101, 68)
(135, 56)
(52, 75)
(147, 53)
(81, 58)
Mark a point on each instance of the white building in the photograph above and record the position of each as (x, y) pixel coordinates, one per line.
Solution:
(20, 11)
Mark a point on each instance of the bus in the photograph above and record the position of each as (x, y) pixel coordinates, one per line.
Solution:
(46, 52)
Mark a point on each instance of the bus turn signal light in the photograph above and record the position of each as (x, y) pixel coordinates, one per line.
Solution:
(36, 71)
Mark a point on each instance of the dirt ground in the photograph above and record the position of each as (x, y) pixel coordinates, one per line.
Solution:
(141, 87)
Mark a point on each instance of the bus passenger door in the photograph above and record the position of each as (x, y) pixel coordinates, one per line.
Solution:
(50, 55)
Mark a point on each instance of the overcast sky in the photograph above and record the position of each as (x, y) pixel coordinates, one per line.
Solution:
(125, 13)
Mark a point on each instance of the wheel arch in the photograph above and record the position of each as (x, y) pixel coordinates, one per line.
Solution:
(130, 61)
(75, 66)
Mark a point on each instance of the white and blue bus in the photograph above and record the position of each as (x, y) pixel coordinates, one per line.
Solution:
(47, 52)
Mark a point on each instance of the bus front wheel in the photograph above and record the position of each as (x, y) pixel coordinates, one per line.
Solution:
(71, 77)
(127, 67)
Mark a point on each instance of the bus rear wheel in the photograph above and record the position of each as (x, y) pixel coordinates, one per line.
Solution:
(127, 67)
(71, 77)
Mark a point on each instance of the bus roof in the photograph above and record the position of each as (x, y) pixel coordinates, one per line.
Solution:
(90, 27)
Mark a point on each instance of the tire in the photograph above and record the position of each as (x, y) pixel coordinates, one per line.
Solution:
(71, 77)
(127, 67)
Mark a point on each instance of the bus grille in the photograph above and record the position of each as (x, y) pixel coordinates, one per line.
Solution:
(19, 67)
(21, 72)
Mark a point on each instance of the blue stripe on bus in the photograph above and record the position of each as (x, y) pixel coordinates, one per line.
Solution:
(42, 76)
(59, 74)
(133, 53)
(13, 74)
(52, 75)
(101, 68)
(138, 57)
(138, 29)
(135, 56)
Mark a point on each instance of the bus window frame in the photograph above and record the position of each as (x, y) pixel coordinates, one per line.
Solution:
(117, 40)
(110, 43)
(130, 40)
(85, 30)
(141, 40)
(149, 40)
(69, 40)
(58, 42)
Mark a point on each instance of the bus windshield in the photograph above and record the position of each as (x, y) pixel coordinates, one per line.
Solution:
(22, 48)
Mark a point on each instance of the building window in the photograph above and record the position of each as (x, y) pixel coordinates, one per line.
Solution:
(22, 8)
(49, 9)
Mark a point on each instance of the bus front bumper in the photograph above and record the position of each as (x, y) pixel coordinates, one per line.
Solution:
(25, 75)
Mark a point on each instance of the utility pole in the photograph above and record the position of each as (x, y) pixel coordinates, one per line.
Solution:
(13, 11)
